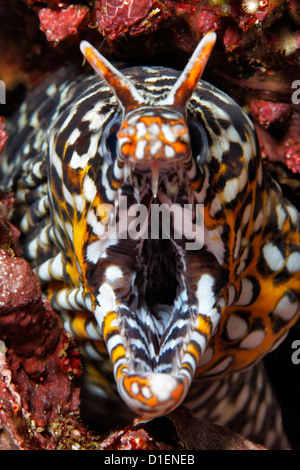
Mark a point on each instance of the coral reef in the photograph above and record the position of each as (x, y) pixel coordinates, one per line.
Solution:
(38, 364)
(256, 61)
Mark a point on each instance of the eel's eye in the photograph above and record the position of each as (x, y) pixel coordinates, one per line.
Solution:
(199, 141)
(108, 143)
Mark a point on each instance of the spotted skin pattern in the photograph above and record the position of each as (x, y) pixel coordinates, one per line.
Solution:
(82, 145)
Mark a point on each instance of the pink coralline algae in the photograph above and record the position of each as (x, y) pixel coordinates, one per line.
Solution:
(268, 112)
(117, 17)
(39, 366)
(3, 135)
(207, 21)
(60, 24)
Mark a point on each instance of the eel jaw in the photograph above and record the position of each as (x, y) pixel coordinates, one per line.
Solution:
(156, 391)
(159, 303)
(155, 350)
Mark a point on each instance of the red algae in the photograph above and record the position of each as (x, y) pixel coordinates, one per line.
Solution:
(59, 24)
(3, 135)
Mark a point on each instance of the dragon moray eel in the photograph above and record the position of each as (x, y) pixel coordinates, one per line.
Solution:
(164, 314)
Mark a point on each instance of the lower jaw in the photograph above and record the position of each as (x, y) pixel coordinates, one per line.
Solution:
(154, 394)
(150, 385)
(152, 389)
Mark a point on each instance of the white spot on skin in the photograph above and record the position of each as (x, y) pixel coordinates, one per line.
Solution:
(51, 90)
(189, 364)
(113, 273)
(231, 294)
(281, 216)
(141, 129)
(146, 392)
(56, 162)
(169, 135)
(215, 206)
(293, 213)
(258, 222)
(140, 149)
(134, 388)
(73, 136)
(154, 130)
(67, 195)
(98, 227)
(260, 417)
(93, 332)
(199, 339)
(162, 386)
(293, 262)
(246, 215)
(94, 251)
(253, 340)
(237, 244)
(242, 264)
(89, 188)
(214, 243)
(273, 257)
(169, 151)
(246, 292)
(286, 309)
(79, 202)
(78, 161)
(205, 295)
(234, 186)
(69, 229)
(106, 297)
(57, 266)
(236, 327)
(155, 147)
(206, 358)
(223, 365)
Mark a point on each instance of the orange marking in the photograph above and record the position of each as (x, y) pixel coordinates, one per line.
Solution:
(173, 400)
(204, 326)
(107, 323)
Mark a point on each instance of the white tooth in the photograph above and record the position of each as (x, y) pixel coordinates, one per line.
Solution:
(118, 171)
(155, 177)
(127, 172)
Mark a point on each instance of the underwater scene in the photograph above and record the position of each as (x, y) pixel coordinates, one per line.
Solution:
(150, 227)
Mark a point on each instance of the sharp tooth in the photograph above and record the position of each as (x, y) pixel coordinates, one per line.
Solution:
(155, 177)
(127, 172)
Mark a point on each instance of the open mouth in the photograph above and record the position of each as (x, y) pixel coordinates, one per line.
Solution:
(159, 299)
(163, 295)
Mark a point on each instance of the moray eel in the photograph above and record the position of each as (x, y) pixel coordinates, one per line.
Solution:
(194, 305)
